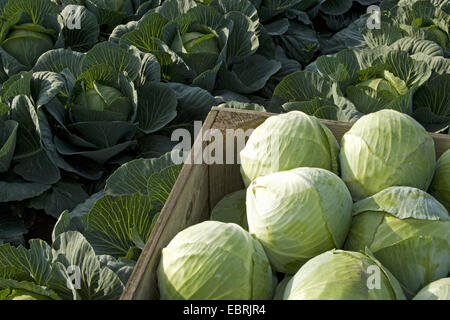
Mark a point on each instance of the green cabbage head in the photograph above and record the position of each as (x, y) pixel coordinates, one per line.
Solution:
(24, 295)
(27, 42)
(298, 214)
(384, 87)
(231, 209)
(102, 103)
(437, 290)
(343, 275)
(197, 42)
(408, 231)
(384, 149)
(288, 141)
(440, 187)
(214, 260)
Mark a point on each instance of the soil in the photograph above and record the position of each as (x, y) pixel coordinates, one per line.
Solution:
(41, 226)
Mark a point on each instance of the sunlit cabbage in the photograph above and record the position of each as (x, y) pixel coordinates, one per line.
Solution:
(298, 214)
(231, 209)
(408, 231)
(384, 149)
(381, 79)
(440, 187)
(343, 275)
(437, 290)
(214, 260)
(288, 141)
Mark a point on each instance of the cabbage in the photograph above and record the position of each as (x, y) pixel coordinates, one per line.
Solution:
(288, 141)
(298, 214)
(343, 275)
(281, 288)
(408, 231)
(385, 149)
(382, 87)
(231, 209)
(102, 103)
(440, 186)
(196, 42)
(214, 260)
(27, 42)
(437, 290)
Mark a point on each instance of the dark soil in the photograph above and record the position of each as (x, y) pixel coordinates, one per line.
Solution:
(40, 226)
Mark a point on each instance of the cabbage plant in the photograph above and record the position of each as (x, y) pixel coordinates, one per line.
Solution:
(291, 27)
(384, 149)
(401, 22)
(94, 106)
(79, 115)
(213, 46)
(288, 141)
(31, 28)
(419, 29)
(29, 31)
(298, 214)
(40, 271)
(440, 187)
(23, 150)
(343, 275)
(428, 20)
(214, 260)
(108, 97)
(363, 81)
(437, 290)
(111, 13)
(26, 42)
(408, 231)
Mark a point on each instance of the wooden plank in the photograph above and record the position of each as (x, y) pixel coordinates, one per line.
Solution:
(186, 205)
(441, 143)
(223, 179)
(252, 119)
(226, 178)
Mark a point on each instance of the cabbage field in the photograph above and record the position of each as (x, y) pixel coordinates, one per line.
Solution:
(92, 91)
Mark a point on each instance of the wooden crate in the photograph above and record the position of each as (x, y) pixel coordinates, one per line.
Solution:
(198, 189)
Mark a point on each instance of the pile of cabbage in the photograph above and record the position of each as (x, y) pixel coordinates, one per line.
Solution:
(364, 219)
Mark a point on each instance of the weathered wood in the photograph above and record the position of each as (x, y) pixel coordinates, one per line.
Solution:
(200, 186)
(231, 118)
(187, 205)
